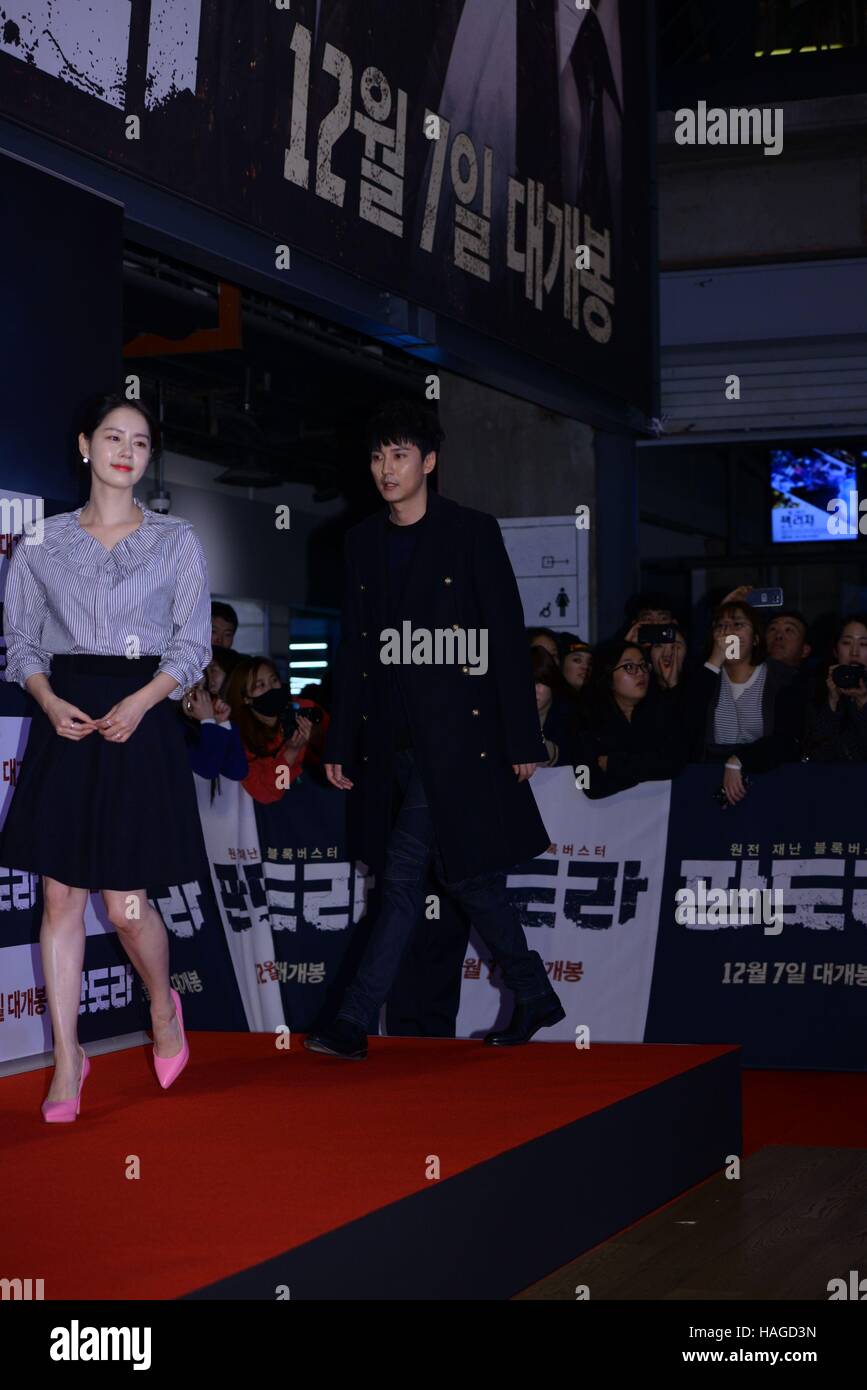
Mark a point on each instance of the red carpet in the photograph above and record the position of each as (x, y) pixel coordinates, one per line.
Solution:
(256, 1150)
(804, 1107)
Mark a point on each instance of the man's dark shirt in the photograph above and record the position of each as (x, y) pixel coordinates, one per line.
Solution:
(400, 544)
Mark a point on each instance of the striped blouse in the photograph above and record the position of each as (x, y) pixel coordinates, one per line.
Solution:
(147, 596)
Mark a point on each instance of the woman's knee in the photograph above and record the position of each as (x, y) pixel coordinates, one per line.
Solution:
(125, 910)
(61, 902)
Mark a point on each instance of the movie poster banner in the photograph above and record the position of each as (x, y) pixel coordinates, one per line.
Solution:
(589, 906)
(792, 992)
(315, 896)
(486, 159)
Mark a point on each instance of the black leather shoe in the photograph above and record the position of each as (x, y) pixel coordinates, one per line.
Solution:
(340, 1039)
(527, 1019)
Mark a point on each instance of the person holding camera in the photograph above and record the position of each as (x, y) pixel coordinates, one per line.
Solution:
(274, 739)
(837, 725)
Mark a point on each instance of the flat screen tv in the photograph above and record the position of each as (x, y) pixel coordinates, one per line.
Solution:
(806, 482)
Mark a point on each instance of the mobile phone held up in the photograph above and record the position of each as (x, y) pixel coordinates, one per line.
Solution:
(656, 634)
(764, 598)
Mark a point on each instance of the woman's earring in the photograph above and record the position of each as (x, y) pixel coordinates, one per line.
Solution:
(85, 458)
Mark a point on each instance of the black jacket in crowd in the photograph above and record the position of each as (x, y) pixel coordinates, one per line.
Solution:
(651, 746)
(837, 736)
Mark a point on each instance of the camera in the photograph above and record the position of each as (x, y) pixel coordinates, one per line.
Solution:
(849, 676)
(289, 717)
(655, 634)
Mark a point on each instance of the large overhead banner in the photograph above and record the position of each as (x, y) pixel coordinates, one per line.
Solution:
(488, 159)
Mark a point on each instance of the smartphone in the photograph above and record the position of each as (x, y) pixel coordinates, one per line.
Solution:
(764, 598)
(656, 634)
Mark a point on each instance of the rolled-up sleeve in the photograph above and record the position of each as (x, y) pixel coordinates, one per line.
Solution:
(24, 613)
(189, 649)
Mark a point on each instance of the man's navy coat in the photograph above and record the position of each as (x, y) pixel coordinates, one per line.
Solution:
(467, 730)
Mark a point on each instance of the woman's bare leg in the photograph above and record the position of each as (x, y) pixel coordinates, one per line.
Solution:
(143, 935)
(61, 945)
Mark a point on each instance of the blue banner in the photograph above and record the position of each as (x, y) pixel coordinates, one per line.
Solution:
(793, 992)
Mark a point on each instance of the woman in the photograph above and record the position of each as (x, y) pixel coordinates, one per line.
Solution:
(576, 664)
(837, 724)
(546, 639)
(556, 711)
(258, 699)
(667, 660)
(626, 738)
(744, 709)
(220, 667)
(213, 744)
(107, 622)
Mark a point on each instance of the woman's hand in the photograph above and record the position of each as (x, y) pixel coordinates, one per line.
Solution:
(833, 690)
(663, 658)
(292, 748)
(68, 720)
(222, 710)
(737, 595)
(733, 785)
(302, 732)
(198, 703)
(123, 718)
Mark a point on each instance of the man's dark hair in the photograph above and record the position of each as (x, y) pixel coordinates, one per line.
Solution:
(789, 613)
(404, 422)
(648, 599)
(226, 612)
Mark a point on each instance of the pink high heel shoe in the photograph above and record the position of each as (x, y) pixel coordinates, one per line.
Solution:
(57, 1112)
(168, 1069)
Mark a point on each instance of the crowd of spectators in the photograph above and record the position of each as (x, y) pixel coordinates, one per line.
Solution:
(749, 697)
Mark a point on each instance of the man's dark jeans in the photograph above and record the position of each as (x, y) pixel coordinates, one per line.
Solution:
(484, 899)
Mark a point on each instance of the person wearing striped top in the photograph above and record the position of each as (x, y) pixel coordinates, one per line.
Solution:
(744, 706)
(107, 619)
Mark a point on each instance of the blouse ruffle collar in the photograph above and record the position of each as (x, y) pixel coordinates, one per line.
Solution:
(70, 543)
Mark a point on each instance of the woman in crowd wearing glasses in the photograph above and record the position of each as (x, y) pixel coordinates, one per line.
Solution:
(626, 738)
(746, 711)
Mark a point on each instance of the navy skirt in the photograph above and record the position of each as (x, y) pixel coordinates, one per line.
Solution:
(96, 814)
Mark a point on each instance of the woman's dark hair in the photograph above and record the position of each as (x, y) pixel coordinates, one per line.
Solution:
(841, 627)
(546, 671)
(227, 660)
(758, 651)
(95, 410)
(256, 737)
(404, 422)
(534, 632)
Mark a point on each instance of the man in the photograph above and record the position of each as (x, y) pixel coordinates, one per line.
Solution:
(786, 638)
(458, 742)
(224, 624)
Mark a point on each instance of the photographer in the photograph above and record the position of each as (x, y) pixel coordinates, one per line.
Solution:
(837, 723)
(273, 738)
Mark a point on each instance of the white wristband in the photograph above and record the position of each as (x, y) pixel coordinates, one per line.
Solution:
(735, 767)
